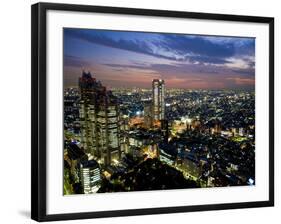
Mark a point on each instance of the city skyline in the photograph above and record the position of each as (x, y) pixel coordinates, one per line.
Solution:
(150, 111)
(134, 59)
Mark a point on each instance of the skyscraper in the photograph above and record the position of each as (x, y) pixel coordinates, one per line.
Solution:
(158, 107)
(88, 88)
(147, 114)
(90, 176)
(107, 125)
(99, 120)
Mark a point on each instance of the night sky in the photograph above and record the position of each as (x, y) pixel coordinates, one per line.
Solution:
(133, 59)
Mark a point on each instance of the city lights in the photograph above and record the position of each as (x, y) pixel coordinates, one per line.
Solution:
(157, 111)
(208, 142)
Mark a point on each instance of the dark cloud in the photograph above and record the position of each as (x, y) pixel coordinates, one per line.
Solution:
(129, 45)
(206, 59)
(142, 67)
(197, 46)
(246, 47)
(203, 50)
(195, 49)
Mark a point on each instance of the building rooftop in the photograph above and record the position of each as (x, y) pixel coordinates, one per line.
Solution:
(90, 164)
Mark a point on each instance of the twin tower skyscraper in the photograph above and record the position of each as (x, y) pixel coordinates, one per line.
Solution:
(99, 117)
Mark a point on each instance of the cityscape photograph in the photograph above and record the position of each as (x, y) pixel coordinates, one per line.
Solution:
(157, 111)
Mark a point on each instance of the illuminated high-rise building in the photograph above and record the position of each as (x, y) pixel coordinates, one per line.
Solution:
(90, 176)
(147, 114)
(158, 104)
(88, 88)
(99, 120)
(107, 125)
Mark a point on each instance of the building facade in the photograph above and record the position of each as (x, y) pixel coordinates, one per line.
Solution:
(158, 104)
(90, 176)
(99, 117)
(147, 114)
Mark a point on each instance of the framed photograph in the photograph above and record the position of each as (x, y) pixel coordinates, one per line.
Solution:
(138, 111)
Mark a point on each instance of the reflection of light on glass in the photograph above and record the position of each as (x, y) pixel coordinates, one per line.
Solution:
(251, 181)
(138, 113)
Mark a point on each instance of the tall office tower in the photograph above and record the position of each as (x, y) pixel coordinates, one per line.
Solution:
(147, 114)
(107, 115)
(124, 122)
(99, 120)
(90, 176)
(88, 88)
(158, 104)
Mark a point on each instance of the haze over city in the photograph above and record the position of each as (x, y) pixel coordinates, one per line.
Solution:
(129, 59)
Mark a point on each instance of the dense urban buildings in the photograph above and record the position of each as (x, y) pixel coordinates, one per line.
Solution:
(207, 139)
(157, 111)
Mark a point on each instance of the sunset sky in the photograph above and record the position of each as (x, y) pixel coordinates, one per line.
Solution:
(129, 59)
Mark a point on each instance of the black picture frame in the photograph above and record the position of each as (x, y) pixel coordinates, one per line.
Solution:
(38, 108)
